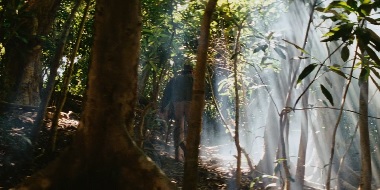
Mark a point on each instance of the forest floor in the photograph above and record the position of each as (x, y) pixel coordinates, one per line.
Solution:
(19, 159)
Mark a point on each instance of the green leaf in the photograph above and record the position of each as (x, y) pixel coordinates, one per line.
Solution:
(341, 31)
(372, 55)
(261, 47)
(345, 54)
(306, 71)
(372, 21)
(374, 38)
(298, 47)
(373, 70)
(337, 71)
(374, 82)
(327, 94)
(320, 9)
(365, 9)
(280, 53)
(339, 4)
(352, 3)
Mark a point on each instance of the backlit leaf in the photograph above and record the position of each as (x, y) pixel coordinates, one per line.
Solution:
(337, 71)
(298, 47)
(341, 31)
(306, 71)
(339, 4)
(280, 53)
(327, 94)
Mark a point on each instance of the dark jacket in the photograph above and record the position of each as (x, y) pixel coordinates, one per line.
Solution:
(178, 89)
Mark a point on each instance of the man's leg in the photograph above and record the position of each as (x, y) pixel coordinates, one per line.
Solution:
(178, 134)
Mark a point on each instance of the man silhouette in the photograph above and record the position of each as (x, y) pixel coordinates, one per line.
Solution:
(178, 94)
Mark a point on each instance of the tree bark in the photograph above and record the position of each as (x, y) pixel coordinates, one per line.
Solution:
(197, 103)
(23, 67)
(103, 155)
(365, 149)
(237, 112)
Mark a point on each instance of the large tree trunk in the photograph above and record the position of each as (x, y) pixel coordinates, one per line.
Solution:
(23, 67)
(103, 155)
(197, 103)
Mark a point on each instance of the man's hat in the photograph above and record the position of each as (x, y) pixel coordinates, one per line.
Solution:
(187, 67)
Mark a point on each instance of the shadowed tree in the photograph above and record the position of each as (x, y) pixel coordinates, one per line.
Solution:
(23, 46)
(103, 155)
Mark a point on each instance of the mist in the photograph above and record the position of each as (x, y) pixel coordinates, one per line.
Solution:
(273, 90)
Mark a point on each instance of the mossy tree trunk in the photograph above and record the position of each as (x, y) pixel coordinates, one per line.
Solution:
(103, 155)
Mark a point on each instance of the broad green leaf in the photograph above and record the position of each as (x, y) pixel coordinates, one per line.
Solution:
(339, 4)
(280, 53)
(372, 21)
(306, 71)
(372, 55)
(341, 31)
(374, 71)
(352, 3)
(374, 82)
(345, 54)
(365, 2)
(337, 71)
(327, 95)
(320, 9)
(374, 38)
(365, 9)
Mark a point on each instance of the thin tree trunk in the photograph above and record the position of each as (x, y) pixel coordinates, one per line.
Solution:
(365, 149)
(282, 149)
(197, 103)
(343, 101)
(237, 112)
(300, 172)
(67, 78)
(54, 65)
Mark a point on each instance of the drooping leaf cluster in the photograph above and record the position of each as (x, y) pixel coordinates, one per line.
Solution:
(352, 23)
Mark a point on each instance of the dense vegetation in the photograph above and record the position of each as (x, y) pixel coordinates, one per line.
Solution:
(297, 81)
